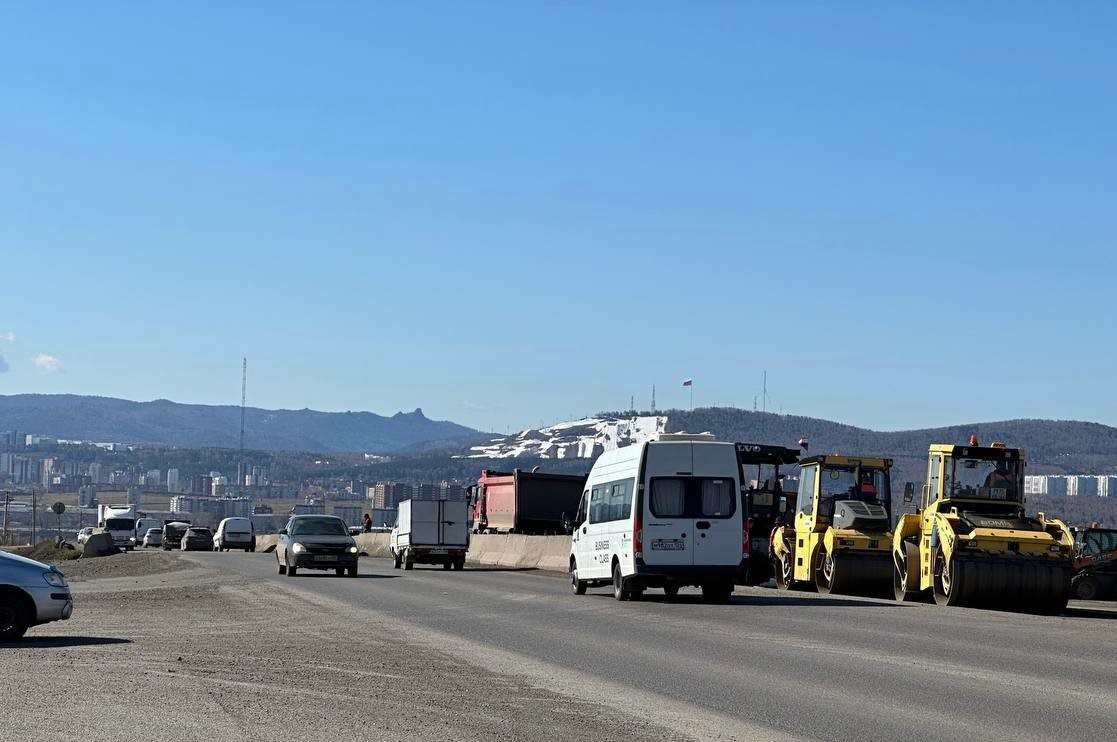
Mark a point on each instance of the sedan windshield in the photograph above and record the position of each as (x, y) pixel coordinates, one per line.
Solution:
(197, 533)
(324, 526)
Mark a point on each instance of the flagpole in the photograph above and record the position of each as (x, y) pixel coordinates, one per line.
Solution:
(692, 396)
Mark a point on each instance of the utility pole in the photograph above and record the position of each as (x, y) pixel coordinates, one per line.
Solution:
(34, 512)
(240, 455)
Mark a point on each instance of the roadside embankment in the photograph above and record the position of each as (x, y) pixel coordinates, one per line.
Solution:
(519, 551)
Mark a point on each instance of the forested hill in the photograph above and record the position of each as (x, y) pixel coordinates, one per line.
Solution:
(1052, 446)
(163, 422)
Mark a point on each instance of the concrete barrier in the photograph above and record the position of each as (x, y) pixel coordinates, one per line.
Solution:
(523, 552)
(494, 550)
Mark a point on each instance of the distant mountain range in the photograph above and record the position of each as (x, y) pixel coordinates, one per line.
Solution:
(162, 422)
(1052, 446)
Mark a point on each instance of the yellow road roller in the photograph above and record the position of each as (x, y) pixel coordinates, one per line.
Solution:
(841, 539)
(970, 542)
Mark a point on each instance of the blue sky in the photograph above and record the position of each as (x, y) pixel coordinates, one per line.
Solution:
(508, 213)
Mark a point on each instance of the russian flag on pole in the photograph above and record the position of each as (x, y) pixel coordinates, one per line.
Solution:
(688, 382)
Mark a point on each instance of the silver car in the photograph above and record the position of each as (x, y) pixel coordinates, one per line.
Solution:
(31, 593)
(316, 542)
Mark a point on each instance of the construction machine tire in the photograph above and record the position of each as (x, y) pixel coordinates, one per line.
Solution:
(953, 582)
(902, 576)
(831, 575)
(1086, 587)
(784, 568)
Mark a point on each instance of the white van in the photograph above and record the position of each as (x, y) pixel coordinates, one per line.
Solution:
(663, 514)
(235, 533)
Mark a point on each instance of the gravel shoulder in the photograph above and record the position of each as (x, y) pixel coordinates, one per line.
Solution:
(173, 651)
(134, 564)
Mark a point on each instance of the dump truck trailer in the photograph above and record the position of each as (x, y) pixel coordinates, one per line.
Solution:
(525, 502)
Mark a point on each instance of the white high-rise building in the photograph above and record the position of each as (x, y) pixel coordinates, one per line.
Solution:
(1082, 485)
(172, 480)
(1107, 486)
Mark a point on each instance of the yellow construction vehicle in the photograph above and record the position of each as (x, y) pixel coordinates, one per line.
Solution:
(841, 539)
(970, 542)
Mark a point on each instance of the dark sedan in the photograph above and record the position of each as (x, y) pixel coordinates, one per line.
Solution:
(316, 542)
(197, 539)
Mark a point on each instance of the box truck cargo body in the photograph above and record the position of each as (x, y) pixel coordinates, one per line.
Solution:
(431, 532)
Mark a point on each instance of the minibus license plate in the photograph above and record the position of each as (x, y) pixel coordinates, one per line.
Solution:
(668, 544)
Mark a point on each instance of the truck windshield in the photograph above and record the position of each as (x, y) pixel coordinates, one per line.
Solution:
(983, 479)
(318, 527)
(119, 524)
(855, 483)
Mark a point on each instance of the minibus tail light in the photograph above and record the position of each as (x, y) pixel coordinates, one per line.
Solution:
(638, 538)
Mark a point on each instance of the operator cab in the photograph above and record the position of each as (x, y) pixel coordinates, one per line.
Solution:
(842, 479)
(767, 500)
(983, 485)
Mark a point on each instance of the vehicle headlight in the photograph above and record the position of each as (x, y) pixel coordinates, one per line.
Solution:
(54, 579)
(352, 549)
(298, 548)
(132, 539)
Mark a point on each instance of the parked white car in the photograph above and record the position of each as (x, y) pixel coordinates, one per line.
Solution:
(31, 593)
(153, 537)
(84, 534)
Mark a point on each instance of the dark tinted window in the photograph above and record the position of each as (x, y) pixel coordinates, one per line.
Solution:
(611, 501)
(693, 497)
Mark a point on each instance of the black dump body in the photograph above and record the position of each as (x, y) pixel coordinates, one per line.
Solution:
(543, 500)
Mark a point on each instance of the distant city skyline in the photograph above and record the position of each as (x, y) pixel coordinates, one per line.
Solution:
(515, 214)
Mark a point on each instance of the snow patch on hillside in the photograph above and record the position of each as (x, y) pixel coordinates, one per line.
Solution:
(578, 439)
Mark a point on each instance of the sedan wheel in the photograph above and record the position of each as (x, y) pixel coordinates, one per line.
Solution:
(12, 626)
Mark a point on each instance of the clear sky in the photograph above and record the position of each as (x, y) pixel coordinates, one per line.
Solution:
(509, 213)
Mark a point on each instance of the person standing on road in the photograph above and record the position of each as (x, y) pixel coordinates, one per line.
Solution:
(367, 523)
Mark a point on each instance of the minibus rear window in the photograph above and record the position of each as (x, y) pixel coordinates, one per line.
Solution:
(692, 497)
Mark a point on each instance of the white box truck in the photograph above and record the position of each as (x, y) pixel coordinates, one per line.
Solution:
(430, 532)
(120, 522)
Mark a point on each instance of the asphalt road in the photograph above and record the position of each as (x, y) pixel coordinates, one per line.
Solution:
(769, 663)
